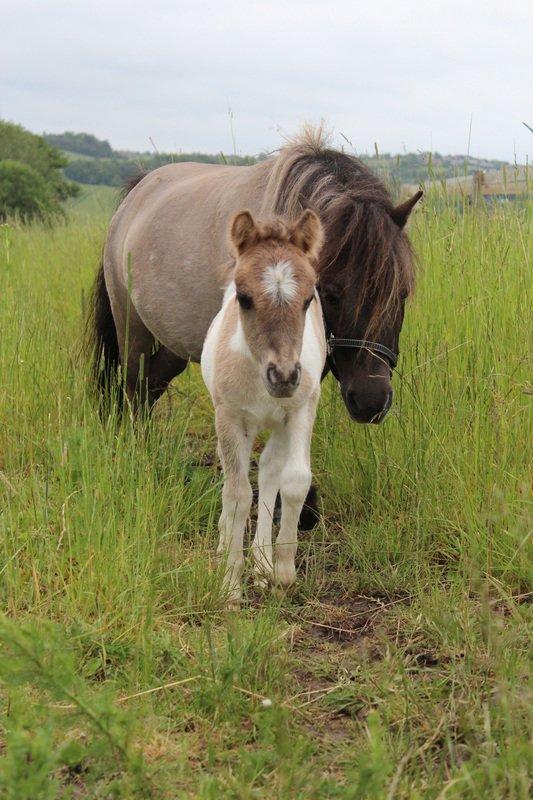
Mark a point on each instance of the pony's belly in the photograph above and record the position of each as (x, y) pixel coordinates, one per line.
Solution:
(179, 320)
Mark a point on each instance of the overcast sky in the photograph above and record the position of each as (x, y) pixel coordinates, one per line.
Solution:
(407, 75)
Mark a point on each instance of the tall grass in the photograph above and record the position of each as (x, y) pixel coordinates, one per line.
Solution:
(109, 587)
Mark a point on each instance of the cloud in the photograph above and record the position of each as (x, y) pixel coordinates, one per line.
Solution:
(408, 75)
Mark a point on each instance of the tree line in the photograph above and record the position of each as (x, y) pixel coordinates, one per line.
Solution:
(38, 173)
(94, 161)
(116, 171)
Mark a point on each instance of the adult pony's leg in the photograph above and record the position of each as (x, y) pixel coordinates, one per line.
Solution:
(136, 351)
(295, 482)
(147, 374)
(235, 444)
(164, 366)
(135, 342)
(270, 465)
(310, 514)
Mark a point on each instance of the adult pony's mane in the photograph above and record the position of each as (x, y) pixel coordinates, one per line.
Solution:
(363, 242)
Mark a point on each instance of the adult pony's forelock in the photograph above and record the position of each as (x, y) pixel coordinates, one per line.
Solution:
(357, 212)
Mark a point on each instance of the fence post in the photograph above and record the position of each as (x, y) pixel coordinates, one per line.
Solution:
(478, 179)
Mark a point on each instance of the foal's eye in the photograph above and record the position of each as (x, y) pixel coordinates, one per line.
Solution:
(308, 302)
(245, 301)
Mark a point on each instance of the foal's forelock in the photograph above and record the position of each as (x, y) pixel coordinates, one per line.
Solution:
(279, 283)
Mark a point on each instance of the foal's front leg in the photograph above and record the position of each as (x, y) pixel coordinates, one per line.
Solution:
(235, 443)
(270, 465)
(294, 485)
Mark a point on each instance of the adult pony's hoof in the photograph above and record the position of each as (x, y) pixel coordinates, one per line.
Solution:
(309, 515)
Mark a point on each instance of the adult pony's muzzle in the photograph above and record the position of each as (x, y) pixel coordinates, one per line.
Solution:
(369, 406)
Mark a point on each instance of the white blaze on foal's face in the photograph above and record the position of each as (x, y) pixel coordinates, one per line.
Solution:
(275, 282)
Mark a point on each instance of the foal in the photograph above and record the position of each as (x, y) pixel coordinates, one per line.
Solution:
(262, 361)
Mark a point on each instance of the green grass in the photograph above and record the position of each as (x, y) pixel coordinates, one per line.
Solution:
(398, 668)
(93, 203)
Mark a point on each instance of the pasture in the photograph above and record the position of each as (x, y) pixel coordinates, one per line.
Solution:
(397, 668)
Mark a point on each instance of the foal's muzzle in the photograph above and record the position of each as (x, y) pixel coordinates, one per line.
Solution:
(283, 383)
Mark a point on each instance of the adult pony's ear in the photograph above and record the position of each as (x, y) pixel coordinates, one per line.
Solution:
(400, 214)
(243, 232)
(307, 234)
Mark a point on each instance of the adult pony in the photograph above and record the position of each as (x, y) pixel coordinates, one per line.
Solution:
(167, 260)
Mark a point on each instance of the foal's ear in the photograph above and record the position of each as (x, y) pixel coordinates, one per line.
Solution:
(243, 232)
(307, 234)
(400, 214)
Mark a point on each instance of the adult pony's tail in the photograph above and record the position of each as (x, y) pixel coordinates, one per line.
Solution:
(101, 334)
(102, 341)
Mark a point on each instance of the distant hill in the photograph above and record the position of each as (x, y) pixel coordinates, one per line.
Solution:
(84, 143)
(94, 161)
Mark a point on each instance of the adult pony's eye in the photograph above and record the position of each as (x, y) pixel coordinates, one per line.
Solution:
(245, 301)
(330, 294)
(308, 302)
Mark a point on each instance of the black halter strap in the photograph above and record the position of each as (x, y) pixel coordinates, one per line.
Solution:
(355, 344)
(362, 344)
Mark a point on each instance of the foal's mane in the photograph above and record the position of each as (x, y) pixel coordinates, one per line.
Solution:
(363, 243)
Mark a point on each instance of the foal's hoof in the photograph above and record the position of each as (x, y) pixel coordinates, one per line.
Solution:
(262, 566)
(284, 576)
(281, 592)
(233, 603)
(234, 597)
(260, 581)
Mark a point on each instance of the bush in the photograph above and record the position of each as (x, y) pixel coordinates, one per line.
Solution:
(31, 181)
(25, 193)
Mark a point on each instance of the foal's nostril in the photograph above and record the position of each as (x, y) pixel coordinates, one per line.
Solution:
(273, 375)
(294, 377)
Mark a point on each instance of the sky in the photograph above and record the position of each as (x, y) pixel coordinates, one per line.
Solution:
(453, 77)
